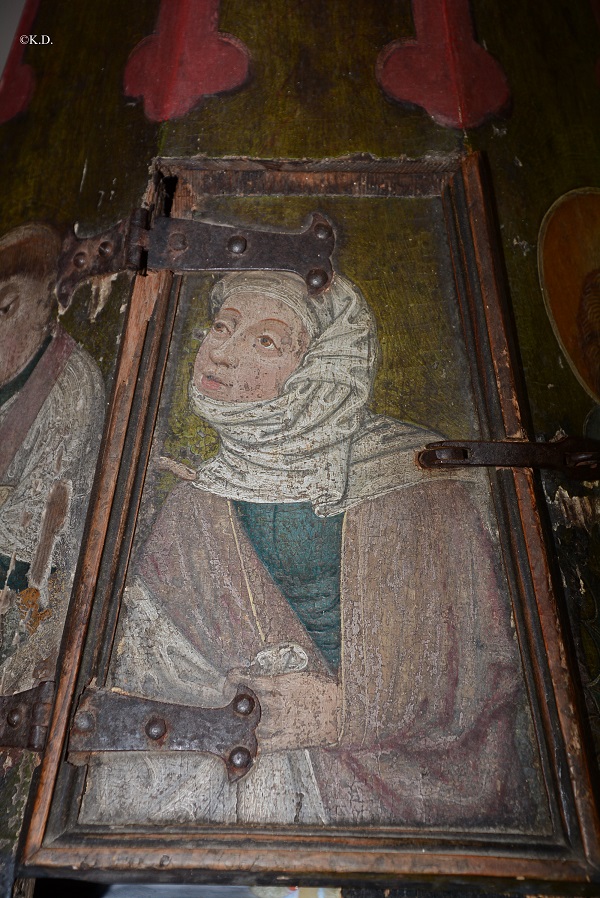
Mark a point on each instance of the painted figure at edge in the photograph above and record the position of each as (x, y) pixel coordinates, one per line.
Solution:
(51, 416)
(355, 593)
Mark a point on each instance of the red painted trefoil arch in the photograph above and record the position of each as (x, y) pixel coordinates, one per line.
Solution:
(444, 69)
(186, 59)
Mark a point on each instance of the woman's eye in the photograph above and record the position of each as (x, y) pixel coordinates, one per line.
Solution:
(219, 327)
(265, 341)
(4, 310)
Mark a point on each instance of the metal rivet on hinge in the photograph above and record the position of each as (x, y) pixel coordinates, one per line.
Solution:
(240, 758)
(244, 704)
(156, 728)
(237, 245)
(105, 249)
(322, 231)
(14, 717)
(177, 242)
(84, 721)
(316, 278)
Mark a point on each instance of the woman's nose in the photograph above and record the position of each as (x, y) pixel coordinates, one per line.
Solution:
(225, 353)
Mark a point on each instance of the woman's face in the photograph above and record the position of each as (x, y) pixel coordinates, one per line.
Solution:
(254, 345)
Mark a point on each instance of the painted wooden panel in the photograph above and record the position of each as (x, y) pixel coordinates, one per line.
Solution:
(54, 372)
(51, 415)
(300, 560)
(282, 537)
(81, 150)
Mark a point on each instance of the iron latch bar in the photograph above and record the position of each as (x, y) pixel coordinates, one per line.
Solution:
(577, 457)
(25, 716)
(114, 721)
(182, 245)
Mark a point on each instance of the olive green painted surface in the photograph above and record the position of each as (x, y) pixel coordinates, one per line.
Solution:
(81, 151)
(396, 251)
(312, 90)
(97, 325)
(313, 93)
(549, 145)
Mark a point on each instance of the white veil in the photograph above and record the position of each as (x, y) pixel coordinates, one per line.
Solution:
(317, 441)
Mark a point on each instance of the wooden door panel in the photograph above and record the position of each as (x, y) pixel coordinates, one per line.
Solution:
(268, 527)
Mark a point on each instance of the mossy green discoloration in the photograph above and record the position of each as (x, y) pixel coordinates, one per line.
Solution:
(99, 332)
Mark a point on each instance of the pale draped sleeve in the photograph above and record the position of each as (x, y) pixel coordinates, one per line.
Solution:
(431, 679)
(432, 702)
(200, 603)
(61, 446)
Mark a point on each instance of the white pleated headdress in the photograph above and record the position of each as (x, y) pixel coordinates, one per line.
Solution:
(317, 441)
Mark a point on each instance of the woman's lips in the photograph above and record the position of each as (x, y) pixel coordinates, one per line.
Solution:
(210, 382)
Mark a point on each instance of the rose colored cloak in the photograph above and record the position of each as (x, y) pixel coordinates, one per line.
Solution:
(434, 727)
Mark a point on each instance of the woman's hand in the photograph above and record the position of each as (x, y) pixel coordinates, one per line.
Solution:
(299, 709)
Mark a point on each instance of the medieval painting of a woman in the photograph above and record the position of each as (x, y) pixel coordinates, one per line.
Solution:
(359, 596)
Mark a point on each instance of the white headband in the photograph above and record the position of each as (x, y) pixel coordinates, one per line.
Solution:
(285, 286)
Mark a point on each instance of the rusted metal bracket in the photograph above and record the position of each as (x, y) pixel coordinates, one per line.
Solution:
(181, 245)
(113, 721)
(24, 717)
(577, 457)
(121, 248)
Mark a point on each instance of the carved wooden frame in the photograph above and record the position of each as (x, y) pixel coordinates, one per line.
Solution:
(55, 844)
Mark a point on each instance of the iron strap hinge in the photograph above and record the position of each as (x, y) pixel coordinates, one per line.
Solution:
(24, 717)
(577, 457)
(181, 245)
(114, 721)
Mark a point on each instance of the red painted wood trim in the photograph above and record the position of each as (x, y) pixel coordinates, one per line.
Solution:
(444, 69)
(17, 84)
(186, 59)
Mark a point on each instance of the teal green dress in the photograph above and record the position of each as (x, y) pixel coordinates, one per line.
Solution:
(302, 553)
